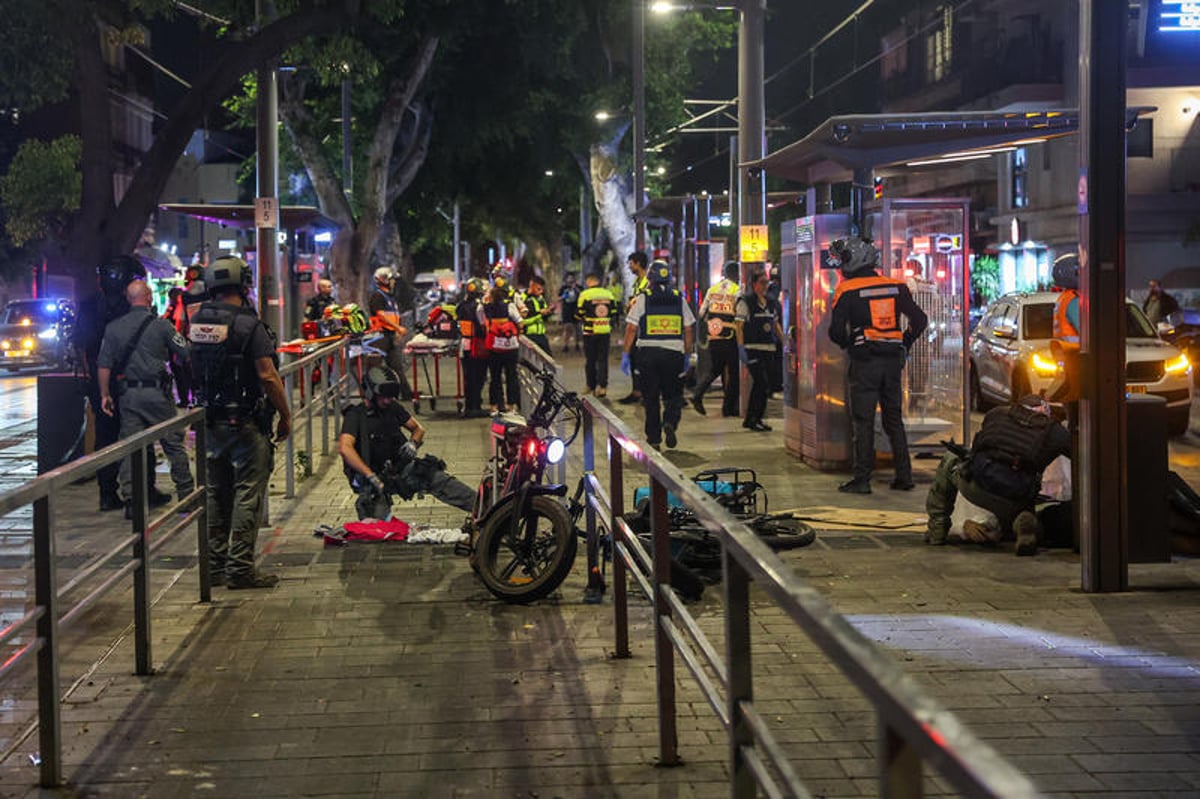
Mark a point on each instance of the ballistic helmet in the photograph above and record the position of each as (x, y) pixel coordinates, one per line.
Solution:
(853, 255)
(659, 273)
(380, 381)
(227, 272)
(118, 273)
(1066, 271)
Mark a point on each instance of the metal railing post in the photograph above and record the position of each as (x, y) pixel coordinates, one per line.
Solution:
(616, 495)
(202, 519)
(900, 775)
(326, 403)
(306, 374)
(289, 490)
(139, 464)
(664, 650)
(46, 596)
(741, 680)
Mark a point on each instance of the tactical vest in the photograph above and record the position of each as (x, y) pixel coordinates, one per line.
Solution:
(225, 377)
(758, 331)
(595, 309)
(474, 335)
(1015, 435)
(663, 319)
(721, 302)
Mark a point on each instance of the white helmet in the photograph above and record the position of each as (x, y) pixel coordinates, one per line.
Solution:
(384, 274)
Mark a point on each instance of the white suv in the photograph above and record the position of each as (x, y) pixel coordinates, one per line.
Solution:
(1010, 357)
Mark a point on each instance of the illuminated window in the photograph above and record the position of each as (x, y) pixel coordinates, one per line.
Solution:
(1020, 176)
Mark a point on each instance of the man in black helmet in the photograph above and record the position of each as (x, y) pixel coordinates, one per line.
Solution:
(865, 322)
(381, 460)
(95, 312)
(1001, 473)
(236, 382)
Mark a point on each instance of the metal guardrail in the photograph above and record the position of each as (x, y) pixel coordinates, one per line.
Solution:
(46, 616)
(147, 536)
(332, 359)
(913, 728)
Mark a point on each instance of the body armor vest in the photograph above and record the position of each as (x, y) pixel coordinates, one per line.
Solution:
(1014, 435)
(226, 380)
(663, 319)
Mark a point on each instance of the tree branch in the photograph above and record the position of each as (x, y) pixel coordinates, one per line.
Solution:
(406, 166)
(330, 189)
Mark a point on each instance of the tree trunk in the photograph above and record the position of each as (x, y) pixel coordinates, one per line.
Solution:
(613, 191)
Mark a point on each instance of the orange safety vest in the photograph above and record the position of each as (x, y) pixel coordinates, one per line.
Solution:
(879, 294)
(1064, 331)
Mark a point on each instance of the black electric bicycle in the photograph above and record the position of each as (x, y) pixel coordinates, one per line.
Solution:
(525, 535)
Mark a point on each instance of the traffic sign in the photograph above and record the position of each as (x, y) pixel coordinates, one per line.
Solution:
(266, 212)
(753, 243)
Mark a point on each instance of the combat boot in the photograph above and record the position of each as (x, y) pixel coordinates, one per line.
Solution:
(1027, 529)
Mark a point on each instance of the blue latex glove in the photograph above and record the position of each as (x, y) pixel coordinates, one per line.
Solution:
(625, 367)
(743, 356)
(683, 366)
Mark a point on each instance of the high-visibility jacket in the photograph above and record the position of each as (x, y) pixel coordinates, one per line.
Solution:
(718, 308)
(595, 309)
(534, 322)
(640, 286)
(866, 315)
(1064, 329)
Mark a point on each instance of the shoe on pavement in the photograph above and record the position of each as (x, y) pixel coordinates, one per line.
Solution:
(855, 486)
(698, 404)
(761, 427)
(246, 581)
(629, 400)
(1026, 528)
(601, 391)
(585, 392)
(902, 485)
(937, 540)
(669, 435)
(111, 503)
(657, 445)
(158, 498)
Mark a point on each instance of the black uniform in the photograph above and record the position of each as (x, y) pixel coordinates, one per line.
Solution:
(661, 318)
(866, 323)
(758, 319)
(379, 435)
(473, 355)
(314, 309)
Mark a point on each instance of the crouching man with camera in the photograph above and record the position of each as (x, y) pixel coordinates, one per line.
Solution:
(378, 445)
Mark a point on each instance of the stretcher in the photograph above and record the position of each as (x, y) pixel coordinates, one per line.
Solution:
(421, 349)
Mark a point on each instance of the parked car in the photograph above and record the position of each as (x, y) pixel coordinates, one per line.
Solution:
(36, 332)
(1010, 357)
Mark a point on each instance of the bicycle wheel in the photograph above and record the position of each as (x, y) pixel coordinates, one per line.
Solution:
(785, 533)
(522, 568)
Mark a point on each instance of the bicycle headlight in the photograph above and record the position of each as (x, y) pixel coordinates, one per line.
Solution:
(555, 449)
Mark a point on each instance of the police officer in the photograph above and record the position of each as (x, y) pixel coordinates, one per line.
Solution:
(473, 353)
(380, 460)
(535, 309)
(1002, 473)
(638, 264)
(757, 331)
(314, 309)
(133, 356)
(233, 361)
(717, 315)
(865, 322)
(595, 310)
(95, 312)
(660, 323)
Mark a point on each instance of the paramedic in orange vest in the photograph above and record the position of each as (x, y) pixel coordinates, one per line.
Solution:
(866, 323)
(502, 321)
(1065, 345)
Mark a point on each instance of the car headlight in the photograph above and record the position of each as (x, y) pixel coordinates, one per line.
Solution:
(1178, 365)
(1043, 365)
(5, 345)
(27, 343)
(48, 333)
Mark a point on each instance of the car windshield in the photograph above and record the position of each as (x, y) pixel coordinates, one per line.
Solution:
(31, 312)
(1038, 322)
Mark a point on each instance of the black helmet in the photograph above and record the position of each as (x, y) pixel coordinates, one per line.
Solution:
(380, 381)
(1066, 271)
(659, 273)
(117, 273)
(227, 272)
(853, 255)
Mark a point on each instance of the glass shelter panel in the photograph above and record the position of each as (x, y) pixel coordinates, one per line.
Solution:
(924, 242)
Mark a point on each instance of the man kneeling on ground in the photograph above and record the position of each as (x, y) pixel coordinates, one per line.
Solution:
(381, 460)
(1002, 472)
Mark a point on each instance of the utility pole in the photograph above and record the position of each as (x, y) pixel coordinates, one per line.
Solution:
(268, 284)
(751, 117)
(639, 118)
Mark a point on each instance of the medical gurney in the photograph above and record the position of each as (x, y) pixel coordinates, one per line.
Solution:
(421, 349)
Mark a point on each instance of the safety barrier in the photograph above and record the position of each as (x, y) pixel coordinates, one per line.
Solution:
(46, 616)
(913, 729)
(333, 358)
